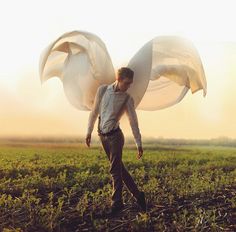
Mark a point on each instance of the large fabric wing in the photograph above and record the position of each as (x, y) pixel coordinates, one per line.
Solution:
(81, 61)
(165, 69)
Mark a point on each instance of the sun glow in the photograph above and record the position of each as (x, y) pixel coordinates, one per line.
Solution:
(27, 107)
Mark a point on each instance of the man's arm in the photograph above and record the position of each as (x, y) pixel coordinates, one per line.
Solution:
(133, 120)
(93, 116)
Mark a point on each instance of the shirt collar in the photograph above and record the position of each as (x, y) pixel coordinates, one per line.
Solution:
(113, 85)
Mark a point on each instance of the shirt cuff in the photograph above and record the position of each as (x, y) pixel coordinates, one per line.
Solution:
(138, 144)
(89, 131)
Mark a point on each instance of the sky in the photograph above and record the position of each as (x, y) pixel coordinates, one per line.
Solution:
(28, 108)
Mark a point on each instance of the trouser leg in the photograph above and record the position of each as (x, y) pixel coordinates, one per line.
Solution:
(116, 147)
(129, 182)
(113, 146)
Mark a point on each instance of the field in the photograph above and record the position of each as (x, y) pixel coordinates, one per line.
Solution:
(67, 187)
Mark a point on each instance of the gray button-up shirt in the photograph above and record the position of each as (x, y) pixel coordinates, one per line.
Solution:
(109, 108)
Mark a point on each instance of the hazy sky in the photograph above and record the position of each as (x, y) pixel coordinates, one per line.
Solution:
(27, 27)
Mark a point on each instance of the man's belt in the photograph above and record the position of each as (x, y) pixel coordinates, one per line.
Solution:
(110, 132)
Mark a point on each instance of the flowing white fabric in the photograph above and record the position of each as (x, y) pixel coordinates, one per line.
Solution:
(165, 68)
(81, 61)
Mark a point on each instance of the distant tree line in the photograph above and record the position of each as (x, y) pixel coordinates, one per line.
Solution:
(220, 141)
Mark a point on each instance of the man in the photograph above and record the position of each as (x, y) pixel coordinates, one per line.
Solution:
(110, 103)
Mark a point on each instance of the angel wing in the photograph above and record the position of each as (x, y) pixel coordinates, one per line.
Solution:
(165, 68)
(81, 61)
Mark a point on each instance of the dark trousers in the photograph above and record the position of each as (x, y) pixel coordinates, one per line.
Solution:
(113, 146)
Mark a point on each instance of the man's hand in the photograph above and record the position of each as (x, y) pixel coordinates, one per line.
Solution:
(88, 139)
(140, 152)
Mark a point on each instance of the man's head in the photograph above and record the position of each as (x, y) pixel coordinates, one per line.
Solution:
(125, 78)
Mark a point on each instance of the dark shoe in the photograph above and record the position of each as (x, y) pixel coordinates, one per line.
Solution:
(142, 202)
(116, 209)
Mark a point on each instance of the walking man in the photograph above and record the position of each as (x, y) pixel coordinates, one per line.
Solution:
(110, 103)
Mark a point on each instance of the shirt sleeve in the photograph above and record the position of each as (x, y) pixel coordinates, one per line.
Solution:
(133, 120)
(94, 112)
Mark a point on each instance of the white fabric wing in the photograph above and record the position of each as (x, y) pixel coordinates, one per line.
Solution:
(81, 61)
(165, 68)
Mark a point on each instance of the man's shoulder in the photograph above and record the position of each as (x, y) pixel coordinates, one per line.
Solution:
(129, 96)
(130, 100)
(102, 87)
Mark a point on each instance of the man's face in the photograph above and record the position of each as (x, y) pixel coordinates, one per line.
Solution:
(124, 83)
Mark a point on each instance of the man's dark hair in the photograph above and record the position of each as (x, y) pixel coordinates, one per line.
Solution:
(125, 72)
